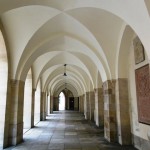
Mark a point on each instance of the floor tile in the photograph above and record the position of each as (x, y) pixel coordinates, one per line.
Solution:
(66, 130)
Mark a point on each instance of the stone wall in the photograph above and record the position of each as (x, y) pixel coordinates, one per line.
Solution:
(87, 107)
(99, 107)
(76, 103)
(16, 98)
(141, 143)
(55, 104)
(110, 131)
(92, 104)
(123, 112)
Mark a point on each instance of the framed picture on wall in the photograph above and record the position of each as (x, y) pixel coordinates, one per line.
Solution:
(142, 76)
(138, 51)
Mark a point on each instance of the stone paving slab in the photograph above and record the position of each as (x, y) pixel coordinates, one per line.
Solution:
(66, 130)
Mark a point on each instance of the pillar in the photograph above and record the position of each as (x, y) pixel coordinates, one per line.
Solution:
(83, 100)
(123, 116)
(43, 106)
(32, 107)
(81, 104)
(99, 107)
(47, 108)
(48, 104)
(76, 103)
(55, 103)
(51, 104)
(15, 133)
(110, 131)
(92, 104)
(87, 106)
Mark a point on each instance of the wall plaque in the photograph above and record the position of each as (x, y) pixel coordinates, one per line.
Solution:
(138, 51)
(143, 93)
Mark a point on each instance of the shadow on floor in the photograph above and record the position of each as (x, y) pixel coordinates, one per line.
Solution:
(66, 130)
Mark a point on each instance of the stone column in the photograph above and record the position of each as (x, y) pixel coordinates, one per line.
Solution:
(51, 104)
(81, 104)
(82, 108)
(123, 116)
(15, 133)
(87, 113)
(32, 107)
(46, 105)
(99, 107)
(76, 103)
(110, 131)
(92, 105)
(42, 106)
(55, 104)
(84, 103)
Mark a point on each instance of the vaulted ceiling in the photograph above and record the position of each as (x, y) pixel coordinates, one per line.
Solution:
(84, 34)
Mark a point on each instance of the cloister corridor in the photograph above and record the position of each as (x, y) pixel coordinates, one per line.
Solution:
(94, 54)
(66, 130)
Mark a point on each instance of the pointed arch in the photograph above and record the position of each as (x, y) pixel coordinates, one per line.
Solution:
(3, 89)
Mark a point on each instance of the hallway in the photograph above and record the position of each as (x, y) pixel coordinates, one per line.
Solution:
(66, 130)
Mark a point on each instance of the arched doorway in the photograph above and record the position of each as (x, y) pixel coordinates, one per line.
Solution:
(62, 100)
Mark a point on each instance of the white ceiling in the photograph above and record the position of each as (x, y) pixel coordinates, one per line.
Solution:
(86, 35)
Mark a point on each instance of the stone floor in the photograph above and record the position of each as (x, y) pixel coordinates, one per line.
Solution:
(66, 130)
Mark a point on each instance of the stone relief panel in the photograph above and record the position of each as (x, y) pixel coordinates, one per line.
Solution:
(138, 51)
(143, 93)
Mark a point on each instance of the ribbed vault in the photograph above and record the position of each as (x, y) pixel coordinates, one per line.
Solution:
(45, 35)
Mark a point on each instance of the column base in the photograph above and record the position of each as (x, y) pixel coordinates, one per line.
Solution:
(16, 134)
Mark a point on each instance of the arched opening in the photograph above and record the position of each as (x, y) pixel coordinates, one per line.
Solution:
(62, 101)
(37, 104)
(27, 102)
(122, 91)
(3, 88)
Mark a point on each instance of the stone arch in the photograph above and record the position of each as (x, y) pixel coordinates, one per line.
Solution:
(3, 90)
(54, 36)
(70, 84)
(116, 12)
(122, 91)
(74, 71)
(62, 87)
